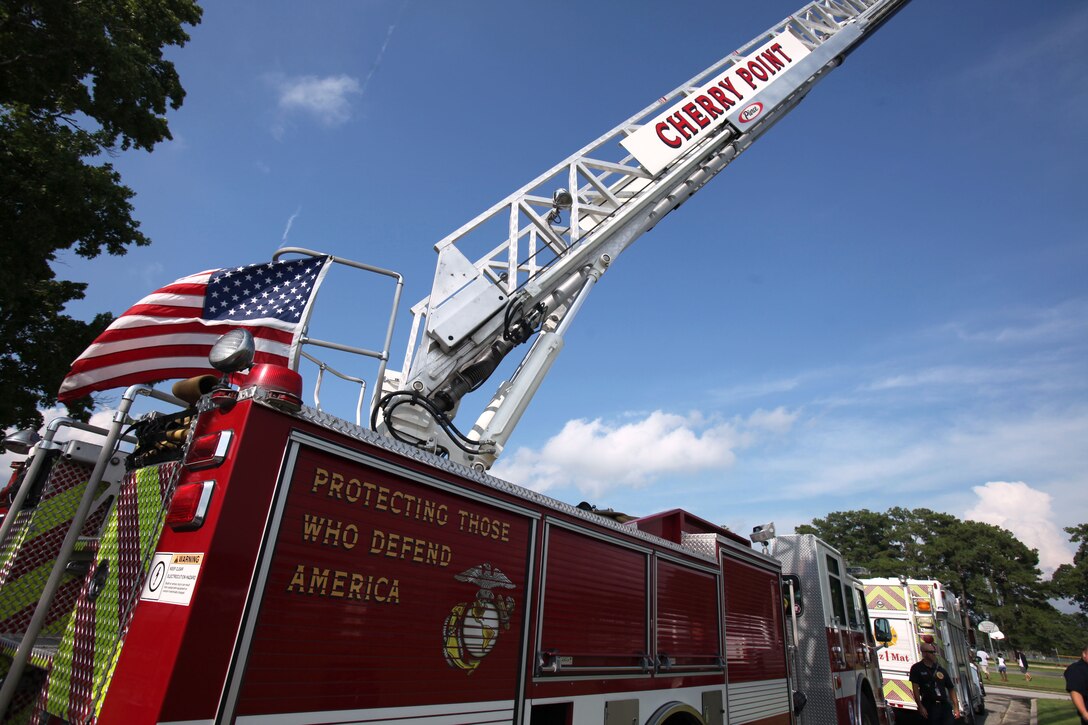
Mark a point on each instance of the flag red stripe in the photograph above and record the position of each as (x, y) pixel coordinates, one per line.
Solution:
(132, 333)
(161, 371)
(128, 379)
(162, 311)
(182, 289)
(151, 354)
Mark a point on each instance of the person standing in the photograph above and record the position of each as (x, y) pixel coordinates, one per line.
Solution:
(933, 690)
(984, 662)
(1076, 684)
(1001, 668)
(1022, 660)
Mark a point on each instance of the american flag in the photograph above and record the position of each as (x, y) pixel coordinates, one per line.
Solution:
(169, 333)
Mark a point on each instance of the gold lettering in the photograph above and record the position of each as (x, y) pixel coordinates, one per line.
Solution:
(319, 579)
(410, 508)
(391, 539)
(299, 579)
(353, 491)
(337, 486)
(399, 546)
(332, 531)
(485, 526)
(377, 541)
(321, 477)
(382, 498)
(369, 490)
(344, 585)
(354, 592)
(338, 584)
(432, 553)
(311, 527)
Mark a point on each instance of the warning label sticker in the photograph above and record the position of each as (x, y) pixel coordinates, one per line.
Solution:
(172, 578)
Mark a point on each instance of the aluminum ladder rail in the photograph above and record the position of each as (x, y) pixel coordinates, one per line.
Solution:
(613, 201)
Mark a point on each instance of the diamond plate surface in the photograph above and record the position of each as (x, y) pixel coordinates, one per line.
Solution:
(799, 555)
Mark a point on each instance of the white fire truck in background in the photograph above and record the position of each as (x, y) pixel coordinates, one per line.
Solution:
(923, 610)
(245, 558)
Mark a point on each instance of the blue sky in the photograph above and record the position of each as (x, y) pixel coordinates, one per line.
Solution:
(882, 303)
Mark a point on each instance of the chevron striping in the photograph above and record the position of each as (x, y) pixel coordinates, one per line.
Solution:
(896, 690)
(89, 650)
(888, 598)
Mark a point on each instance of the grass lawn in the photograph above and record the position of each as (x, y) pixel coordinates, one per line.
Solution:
(1045, 681)
(1057, 712)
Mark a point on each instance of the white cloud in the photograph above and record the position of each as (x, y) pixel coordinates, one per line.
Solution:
(102, 419)
(778, 420)
(328, 100)
(945, 376)
(1062, 323)
(596, 457)
(1027, 513)
(760, 389)
(290, 221)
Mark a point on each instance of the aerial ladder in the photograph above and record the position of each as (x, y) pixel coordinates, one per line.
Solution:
(561, 232)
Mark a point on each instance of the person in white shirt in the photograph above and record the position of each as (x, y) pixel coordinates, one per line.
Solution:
(1001, 668)
(984, 662)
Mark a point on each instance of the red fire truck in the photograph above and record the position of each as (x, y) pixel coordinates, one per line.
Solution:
(239, 557)
(333, 576)
(832, 640)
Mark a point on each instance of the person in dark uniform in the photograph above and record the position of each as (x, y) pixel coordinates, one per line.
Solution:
(933, 689)
(1076, 684)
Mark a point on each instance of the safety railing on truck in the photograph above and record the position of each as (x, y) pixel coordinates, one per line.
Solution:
(382, 356)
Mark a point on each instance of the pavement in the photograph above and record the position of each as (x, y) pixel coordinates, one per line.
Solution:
(1006, 706)
(1011, 706)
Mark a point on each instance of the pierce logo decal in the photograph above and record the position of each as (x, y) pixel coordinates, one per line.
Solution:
(750, 113)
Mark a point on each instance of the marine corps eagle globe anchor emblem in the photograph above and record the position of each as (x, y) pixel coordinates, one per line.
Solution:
(472, 628)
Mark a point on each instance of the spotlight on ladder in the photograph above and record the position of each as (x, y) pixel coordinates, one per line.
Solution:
(763, 534)
(561, 199)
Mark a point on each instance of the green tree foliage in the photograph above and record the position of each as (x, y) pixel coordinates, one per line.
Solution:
(1070, 581)
(77, 80)
(995, 573)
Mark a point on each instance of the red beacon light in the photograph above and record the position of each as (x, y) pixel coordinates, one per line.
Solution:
(234, 352)
(282, 386)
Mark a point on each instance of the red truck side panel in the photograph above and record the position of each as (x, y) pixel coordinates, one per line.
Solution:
(382, 580)
(688, 629)
(595, 602)
(753, 623)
